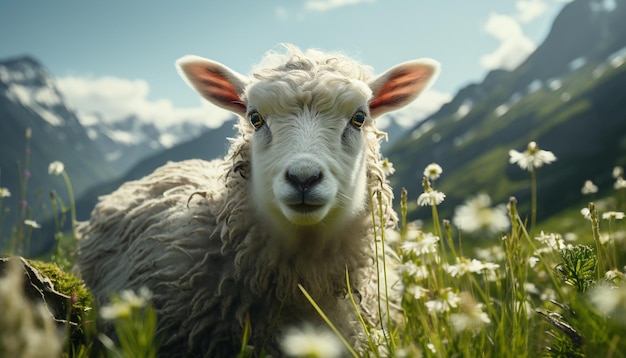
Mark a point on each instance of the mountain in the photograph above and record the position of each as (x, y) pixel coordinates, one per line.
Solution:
(124, 142)
(30, 102)
(569, 96)
(127, 141)
(99, 155)
(209, 145)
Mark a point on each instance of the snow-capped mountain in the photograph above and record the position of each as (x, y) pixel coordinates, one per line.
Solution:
(118, 138)
(123, 143)
(37, 127)
(25, 82)
(94, 151)
(127, 141)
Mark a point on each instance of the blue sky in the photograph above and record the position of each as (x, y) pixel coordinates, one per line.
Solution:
(117, 57)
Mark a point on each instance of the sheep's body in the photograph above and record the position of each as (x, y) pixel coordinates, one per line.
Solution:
(202, 279)
(221, 242)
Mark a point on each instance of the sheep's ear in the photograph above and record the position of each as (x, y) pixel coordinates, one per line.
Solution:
(401, 84)
(215, 82)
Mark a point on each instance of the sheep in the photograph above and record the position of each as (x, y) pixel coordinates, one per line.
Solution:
(227, 242)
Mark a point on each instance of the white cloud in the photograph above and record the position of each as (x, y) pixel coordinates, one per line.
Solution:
(115, 98)
(514, 46)
(326, 5)
(426, 104)
(529, 10)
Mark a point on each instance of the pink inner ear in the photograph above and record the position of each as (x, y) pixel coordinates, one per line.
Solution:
(217, 87)
(403, 86)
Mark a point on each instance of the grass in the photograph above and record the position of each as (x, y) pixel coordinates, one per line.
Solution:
(526, 291)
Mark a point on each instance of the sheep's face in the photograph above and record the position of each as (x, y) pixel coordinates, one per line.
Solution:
(308, 149)
(308, 117)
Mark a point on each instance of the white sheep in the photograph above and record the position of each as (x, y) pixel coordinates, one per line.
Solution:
(223, 242)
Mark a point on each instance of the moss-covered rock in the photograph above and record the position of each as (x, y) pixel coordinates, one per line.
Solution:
(63, 294)
(67, 284)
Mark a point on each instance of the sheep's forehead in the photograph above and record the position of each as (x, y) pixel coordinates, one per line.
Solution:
(318, 92)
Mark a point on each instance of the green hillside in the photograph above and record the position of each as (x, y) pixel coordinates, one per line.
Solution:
(583, 122)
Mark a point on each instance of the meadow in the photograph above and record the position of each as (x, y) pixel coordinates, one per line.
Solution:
(487, 282)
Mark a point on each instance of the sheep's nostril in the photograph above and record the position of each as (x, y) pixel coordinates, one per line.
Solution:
(303, 181)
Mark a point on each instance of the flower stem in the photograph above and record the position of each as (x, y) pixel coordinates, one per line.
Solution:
(72, 203)
(328, 321)
(533, 202)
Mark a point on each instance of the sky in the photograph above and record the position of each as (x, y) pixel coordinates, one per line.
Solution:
(117, 57)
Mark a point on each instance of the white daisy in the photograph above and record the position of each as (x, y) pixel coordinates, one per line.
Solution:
(4, 193)
(531, 158)
(425, 244)
(478, 215)
(589, 188)
(471, 315)
(310, 341)
(387, 167)
(433, 171)
(417, 292)
(32, 223)
(123, 305)
(586, 213)
(56, 168)
(620, 183)
(431, 198)
(447, 300)
(615, 215)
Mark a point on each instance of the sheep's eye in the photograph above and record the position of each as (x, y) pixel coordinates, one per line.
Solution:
(358, 119)
(256, 119)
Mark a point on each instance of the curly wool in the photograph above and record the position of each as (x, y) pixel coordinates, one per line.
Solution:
(203, 261)
(188, 232)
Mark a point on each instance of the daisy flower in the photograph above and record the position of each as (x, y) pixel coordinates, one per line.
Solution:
(589, 188)
(310, 341)
(532, 261)
(417, 292)
(431, 198)
(464, 265)
(56, 168)
(553, 241)
(127, 301)
(387, 167)
(616, 215)
(413, 270)
(4, 193)
(478, 215)
(115, 311)
(447, 300)
(433, 171)
(471, 315)
(32, 223)
(531, 158)
(426, 244)
(586, 213)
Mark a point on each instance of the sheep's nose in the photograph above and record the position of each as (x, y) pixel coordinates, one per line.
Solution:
(303, 181)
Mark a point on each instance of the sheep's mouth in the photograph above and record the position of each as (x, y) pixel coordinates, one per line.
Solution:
(304, 208)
